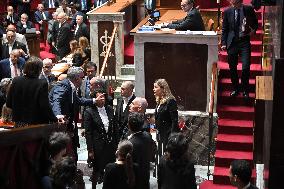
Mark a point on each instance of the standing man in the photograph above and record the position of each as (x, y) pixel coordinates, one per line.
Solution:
(122, 108)
(239, 24)
(46, 71)
(240, 174)
(81, 29)
(65, 102)
(193, 20)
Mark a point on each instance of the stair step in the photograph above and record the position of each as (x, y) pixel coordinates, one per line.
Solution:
(256, 46)
(208, 184)
(235, 112)
(255, 69)
(238, 127)
(236, 142)
(258, 36)
(223, 158)
(224, 98)
(256, 57)
(225, 84)
(221, 175)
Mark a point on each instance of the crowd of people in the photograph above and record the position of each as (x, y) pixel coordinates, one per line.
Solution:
(119, 143)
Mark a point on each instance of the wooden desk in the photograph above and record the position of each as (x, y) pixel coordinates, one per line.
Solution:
(185, 61)
(33, 41)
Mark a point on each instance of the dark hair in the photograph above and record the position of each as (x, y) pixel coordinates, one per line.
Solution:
(135, 121)
(93, 94)
(77, 59)
(33, 67)
(57, 142)
(63, 173)
(125, 149)
(177, 155)
(90, 64)
(242, 169)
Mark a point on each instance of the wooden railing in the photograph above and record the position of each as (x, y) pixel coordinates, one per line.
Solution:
(211, 111)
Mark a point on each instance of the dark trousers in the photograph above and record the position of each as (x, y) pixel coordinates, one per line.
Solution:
(240, 47)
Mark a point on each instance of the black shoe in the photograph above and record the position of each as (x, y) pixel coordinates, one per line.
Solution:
(234, 93)
(246, 94)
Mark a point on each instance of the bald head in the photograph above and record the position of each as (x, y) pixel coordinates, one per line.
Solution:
(139, 104)
(11, 27)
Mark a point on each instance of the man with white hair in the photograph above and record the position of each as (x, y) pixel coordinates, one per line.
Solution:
(64, 36)
(46, 71)
(81, 29)
(24, 24)
(65, 102)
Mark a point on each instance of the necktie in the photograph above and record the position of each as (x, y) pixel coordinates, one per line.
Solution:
(43, 16)
(237, 22)
(15, 70)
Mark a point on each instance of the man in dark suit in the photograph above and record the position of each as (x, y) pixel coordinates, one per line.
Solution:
(142, 147)
(239, 23)
(13, 44)
(46, 71)
(50, 3)
(85, 5)
(65, 102)
(28, 96)
(122, 108)
(240, 174)
(24, 24)
(81, 29)
(193, 20)
(64, 36)
(41, 15)
(24, 6)
(13, 66)
(11, 17)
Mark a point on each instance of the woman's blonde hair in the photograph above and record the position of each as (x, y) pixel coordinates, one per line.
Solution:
(73, 45)
(167, 94)
(83, 42)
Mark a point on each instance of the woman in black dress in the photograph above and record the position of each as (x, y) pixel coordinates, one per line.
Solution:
(123, 173)
(175, 169)
(166, 114)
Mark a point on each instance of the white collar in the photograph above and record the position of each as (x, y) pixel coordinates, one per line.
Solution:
(130, 136)
(72, 86)
(11, 63)
(247, 186)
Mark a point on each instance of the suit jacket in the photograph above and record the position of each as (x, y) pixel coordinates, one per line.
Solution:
(102, 142)
(51, 78)
(8, 21)
(83, 30)
(46, 3)
(88, 3)
(228, 29)
(17, 45)
(21, 29)
(28, 98)
(60, 98)
(20, 38)
(193, 21)
(64, 36)
(142, 151)
(5, 70)
(39, 17)
(121, 116)
(166, 119)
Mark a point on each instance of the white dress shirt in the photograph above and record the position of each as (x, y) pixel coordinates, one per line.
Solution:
(13, 72)
(104, 117)
(125, 101)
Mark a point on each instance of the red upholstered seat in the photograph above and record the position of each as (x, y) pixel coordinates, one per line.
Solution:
(45, 54)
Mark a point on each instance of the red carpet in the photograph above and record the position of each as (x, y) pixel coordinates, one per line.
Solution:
(235, 124)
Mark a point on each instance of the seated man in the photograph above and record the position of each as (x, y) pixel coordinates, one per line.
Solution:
(24, 24)
(41, 16)
(193, 20)
(240, 174)
(11, 17)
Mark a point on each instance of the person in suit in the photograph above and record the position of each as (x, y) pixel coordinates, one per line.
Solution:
(50, 3)
(122, 108)
(85, 5)
(28, 96)
(239, 23)
(65, 102)
(193, 20)
(101, 136)
(78, 11)
(19, 37)
(24, 24)
(64, 9)
(50, 27)
(46, 71)
(24, 6)
(240, 174)
(11, 17)
(142, 148)
(166, 114)
(64, 36)
(175, 169)
(13, 66)
(13, 44)
(41, 16)
(81, 29)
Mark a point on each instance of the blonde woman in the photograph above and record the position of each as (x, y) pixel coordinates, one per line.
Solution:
(84, 45)
(166, 114)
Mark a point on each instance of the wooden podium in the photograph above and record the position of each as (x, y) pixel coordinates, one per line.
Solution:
(33, 41)
(184, 60)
